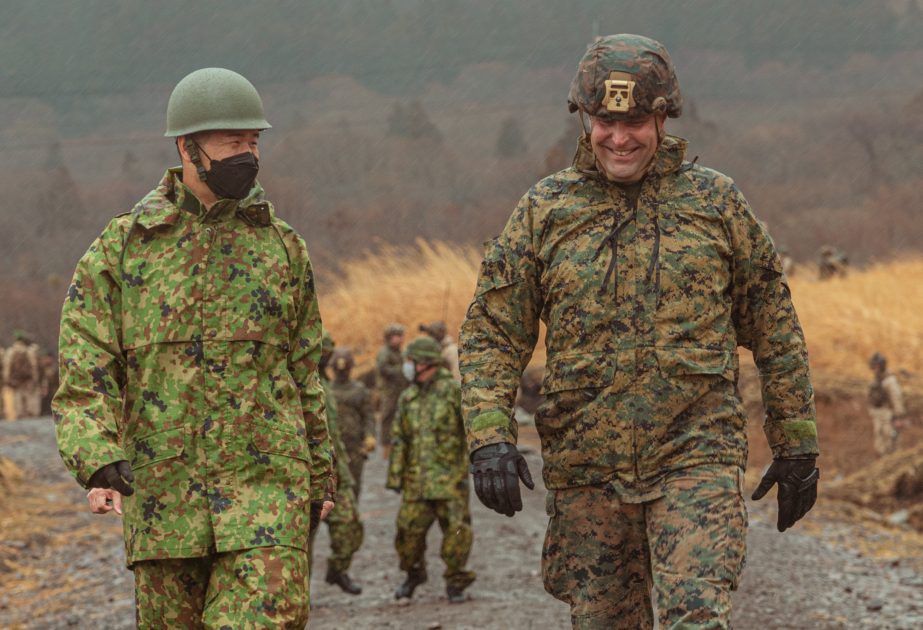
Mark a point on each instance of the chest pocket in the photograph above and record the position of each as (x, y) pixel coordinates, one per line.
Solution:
(694, 268)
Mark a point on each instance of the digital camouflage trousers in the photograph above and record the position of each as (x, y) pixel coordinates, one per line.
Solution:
(265, 587)
(413, 521)
(604, 557)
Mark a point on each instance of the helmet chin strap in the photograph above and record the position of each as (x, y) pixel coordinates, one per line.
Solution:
(193, 150)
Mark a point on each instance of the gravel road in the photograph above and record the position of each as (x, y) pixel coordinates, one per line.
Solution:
(68, 571)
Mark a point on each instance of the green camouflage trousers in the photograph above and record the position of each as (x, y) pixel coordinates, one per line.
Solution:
(413, 521)
(603, 556)
(265, 587)
(346, 531)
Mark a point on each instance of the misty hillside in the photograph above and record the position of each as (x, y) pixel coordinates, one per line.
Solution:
(400, 119)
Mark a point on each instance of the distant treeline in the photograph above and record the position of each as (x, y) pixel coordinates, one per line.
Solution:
(57, 49)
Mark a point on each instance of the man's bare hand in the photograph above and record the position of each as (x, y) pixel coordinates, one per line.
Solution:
(325, 510)
(104, 500)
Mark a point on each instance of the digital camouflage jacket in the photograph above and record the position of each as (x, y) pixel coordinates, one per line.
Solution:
(645, 301)
(189, 347)
(428, 457)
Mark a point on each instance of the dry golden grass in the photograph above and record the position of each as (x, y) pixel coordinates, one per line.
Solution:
(406, 285)
(845, 320)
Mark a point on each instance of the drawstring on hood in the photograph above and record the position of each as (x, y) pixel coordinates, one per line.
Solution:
(667, 160)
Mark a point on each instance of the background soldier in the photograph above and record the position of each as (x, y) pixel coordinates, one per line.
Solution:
(390, 380)
(648, 271)
(886, 405)
(428, 468)
(355, 417)
(48, 367)
(439, 332)
(831, 263)
(190, 386)
(22, 375)
(346, 532)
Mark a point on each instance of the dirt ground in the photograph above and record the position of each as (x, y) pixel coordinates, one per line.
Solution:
(62, 567)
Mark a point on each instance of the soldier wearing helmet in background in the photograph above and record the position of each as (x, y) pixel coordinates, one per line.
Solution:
(190, 394)
(22, 375)
(355, 416)
(428, 467)
(439, 331)
(648, 271)
(886, 405)
(390, 381)
(346, 531)
(832, 263)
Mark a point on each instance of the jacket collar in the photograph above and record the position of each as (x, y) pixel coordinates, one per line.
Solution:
(171, 198)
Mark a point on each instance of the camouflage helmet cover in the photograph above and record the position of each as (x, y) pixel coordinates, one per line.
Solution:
(424, 349)
(877, 359)
(393, 329)
(437, 330)
(624, 77)
(214, 98)
(342, 360)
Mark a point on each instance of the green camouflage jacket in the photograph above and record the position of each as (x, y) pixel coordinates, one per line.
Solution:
(645, 303)
(428, 456)
(189, 347)
(344, 478)
(355, 416)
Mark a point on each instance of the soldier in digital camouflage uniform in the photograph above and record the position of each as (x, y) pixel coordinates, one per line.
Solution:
(886, 405)
(390, 381)
(22, 376)
(428, 467)
(648, 271)
(190, 339)
(355, 416)
(345, 528)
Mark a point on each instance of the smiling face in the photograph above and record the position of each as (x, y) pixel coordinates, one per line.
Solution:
(624, 148)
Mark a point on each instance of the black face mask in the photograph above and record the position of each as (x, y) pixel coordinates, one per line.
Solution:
(232, 177)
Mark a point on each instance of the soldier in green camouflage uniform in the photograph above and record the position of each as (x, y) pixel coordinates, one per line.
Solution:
(190, 339)
(390, 381)
(355, 416)
(648, 272)
(346, 531)
(428, 468)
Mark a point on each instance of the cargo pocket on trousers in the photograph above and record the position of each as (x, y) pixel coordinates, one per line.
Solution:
(736, 550)
(554, 560)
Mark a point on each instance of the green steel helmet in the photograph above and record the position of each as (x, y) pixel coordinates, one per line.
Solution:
(424, 349)
(214, 98)
(625, 77)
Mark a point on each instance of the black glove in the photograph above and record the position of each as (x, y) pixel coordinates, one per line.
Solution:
(797, 479)
(116, 475)
(497, 469)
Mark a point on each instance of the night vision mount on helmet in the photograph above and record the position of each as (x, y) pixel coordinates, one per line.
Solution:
(625, 77)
